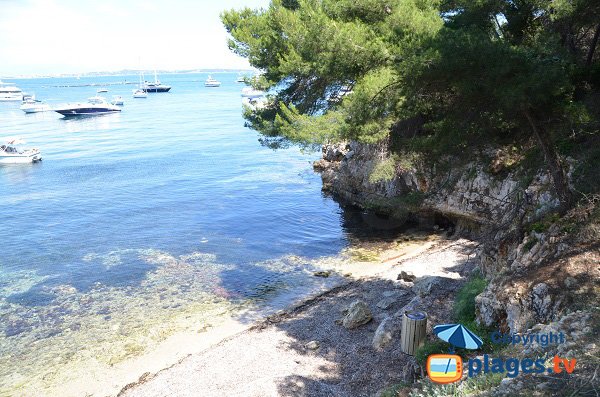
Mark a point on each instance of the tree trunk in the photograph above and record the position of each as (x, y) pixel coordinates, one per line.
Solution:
(590, 55)
(559, 179)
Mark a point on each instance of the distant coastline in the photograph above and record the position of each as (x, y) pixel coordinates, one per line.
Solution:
(125, 72)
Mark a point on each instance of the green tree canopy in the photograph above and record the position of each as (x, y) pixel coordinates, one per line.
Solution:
(470, 69)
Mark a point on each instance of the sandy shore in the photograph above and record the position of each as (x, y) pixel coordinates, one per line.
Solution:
(270, 357)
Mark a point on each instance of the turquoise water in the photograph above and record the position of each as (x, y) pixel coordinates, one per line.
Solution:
(171, 207)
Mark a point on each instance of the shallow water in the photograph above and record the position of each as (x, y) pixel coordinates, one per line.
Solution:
(141, 224)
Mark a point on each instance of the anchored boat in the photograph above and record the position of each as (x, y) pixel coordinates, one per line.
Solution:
(155, 86)
(11, 154)
(10, 92)
(95, 105)
(210, 82)
(32, 105)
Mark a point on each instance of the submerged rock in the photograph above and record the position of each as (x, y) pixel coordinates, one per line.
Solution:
(358, 313)
(322, 273)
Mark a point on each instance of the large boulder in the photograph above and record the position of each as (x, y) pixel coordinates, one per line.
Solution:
(388, 330)
(424, 285)
(391, 326)
(357, 314)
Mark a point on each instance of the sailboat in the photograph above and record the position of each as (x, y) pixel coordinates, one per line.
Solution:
(140, 92)
(156, 86)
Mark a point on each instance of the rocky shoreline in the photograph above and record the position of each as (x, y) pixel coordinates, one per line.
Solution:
(541, 267)
(344, 342)
(491, 204)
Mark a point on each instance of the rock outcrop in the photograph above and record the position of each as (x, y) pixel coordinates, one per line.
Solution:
(357, 314)
(468, 193)
(481, 197)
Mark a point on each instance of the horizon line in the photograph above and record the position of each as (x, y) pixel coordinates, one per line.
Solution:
(126, 71)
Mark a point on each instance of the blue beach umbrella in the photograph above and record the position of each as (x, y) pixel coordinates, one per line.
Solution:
(458, 336)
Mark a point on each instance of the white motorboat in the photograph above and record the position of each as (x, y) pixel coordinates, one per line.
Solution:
(95, 105)
(117, 100)
(139, 93)
(240, 79)
(249, 92)
(10, 92)
(32, 105)
(101, 90)
(11, 154)
(210, 82)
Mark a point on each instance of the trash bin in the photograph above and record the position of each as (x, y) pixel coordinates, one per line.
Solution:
(414, 327)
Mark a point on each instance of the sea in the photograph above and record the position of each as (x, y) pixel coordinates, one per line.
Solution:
(141, 224)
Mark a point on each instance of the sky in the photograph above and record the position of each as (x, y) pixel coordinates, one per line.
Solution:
(78, 36)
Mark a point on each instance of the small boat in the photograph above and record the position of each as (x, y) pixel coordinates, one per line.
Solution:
(240, 79)
(210, 82)
(156, 86)
(10, 154)
(95, 105)
(139, 93)
(101, 90)
(249, 92)
(32, 105)
(10, 92)
(117, 100)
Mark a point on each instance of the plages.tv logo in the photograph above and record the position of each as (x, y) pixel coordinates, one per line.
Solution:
(449, 368)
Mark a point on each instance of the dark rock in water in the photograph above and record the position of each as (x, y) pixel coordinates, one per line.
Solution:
(325, 273)
(49, 333)
(409, 277)
(104, 310)
(15, 328)
(75, 327)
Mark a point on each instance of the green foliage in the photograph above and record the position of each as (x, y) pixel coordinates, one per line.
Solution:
(394, 390)
(587, 173)
(384, 170)
(464, 304)
(529, 244)
(538, 227)
(475, 72)
(543, 225)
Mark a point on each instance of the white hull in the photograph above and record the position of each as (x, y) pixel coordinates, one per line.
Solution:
(20, 158)
(212, 84)
(140, 94)
(35, 108)
(11, 97)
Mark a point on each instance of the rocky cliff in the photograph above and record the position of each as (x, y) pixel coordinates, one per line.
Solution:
(537, 264)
